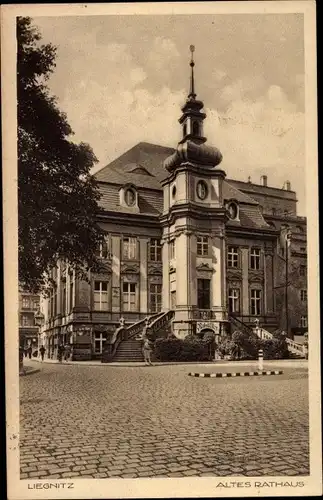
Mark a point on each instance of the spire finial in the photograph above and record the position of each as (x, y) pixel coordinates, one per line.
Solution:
(192, 64)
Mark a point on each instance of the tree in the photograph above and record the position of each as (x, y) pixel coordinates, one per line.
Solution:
(57, 196)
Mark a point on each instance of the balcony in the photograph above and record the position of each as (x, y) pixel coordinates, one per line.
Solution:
(203, 314)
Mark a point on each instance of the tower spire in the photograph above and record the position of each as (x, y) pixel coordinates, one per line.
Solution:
(192, 94)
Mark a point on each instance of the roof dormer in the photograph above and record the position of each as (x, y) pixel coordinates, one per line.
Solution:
(129, 197)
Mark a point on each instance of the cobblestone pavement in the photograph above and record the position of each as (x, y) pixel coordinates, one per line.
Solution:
(101, 422)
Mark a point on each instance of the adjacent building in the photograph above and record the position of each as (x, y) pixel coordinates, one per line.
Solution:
(29, 305)
(182, 237)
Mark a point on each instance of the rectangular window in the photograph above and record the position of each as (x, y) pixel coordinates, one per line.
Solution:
(130, 248)
(233, 257)
(100, 295)
(103, 250)
(99, 340)
(35, 304)
(26, 320)
(303, 321)
(25, 303)
(302, 270)
(234, 300)
(202, 245)
(172, 249)
(155, 250)
(255, 302)
(173, 299)
(155, 291)
(129, 297)
(255, 258)
(203, 293)
(304, 295)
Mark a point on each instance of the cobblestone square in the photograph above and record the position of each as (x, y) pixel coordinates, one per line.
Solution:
(92, 421)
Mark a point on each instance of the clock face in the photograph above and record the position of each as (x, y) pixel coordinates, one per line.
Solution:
(201, 190)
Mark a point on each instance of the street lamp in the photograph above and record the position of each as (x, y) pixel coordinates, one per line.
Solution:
(39, 319)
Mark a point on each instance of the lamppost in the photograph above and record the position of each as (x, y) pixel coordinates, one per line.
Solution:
(39, 321)
(287, 245)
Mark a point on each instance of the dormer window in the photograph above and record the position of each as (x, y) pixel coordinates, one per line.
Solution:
(233, 210)
(129, 196)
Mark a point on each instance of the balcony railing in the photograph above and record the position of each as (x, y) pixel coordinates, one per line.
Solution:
(203, 314)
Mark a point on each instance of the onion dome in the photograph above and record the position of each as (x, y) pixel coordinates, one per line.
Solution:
(191, 148)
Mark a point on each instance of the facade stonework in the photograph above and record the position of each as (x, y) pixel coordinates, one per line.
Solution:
(182, 237)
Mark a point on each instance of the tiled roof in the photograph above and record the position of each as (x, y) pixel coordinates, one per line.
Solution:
(250, 216)
(149, 157)
(142, 166)
(232, 193)
(149, 202)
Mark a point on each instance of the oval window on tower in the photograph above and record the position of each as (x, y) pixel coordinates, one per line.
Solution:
(174, 192)
(201, 190)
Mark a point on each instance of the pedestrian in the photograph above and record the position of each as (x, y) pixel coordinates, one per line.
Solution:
(60, 350)
(147, 351)
(67, 352)
(42, 352)
(29, 350)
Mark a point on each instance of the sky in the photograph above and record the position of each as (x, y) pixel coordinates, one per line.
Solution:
(122, 80)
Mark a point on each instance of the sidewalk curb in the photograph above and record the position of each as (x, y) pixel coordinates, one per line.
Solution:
(29, 372)
(235, 374)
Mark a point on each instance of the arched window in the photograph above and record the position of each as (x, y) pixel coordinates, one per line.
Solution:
(185, 130)
(196, 128)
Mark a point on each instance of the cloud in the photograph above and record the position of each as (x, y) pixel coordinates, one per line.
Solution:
(113, 102)
(265, 136)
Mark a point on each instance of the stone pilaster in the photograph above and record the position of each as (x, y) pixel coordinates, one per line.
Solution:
(115, 269)
(245, 279)
(58, 290)
(166, 280)
(143, 283)
(268, 284)
(217, 278)
(182, 270)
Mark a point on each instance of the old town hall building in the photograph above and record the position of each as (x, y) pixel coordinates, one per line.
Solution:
(184, 246)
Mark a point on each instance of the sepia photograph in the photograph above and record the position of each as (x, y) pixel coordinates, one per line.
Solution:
(161, 250)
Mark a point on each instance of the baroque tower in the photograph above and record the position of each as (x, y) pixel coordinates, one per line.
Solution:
(193, 223)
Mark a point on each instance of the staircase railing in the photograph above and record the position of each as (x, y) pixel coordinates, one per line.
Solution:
(157, 324)
(123, 333)
(297, 348)
(293, 346)
(112, 343)
(137, 328)
(237, 323)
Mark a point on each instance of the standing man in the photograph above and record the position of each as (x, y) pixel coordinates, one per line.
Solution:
(67, 352)
(42, 352)
(147, 351)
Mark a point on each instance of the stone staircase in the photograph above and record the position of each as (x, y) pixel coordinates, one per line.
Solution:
(126, 345)
(129, 350)
(294, 348)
